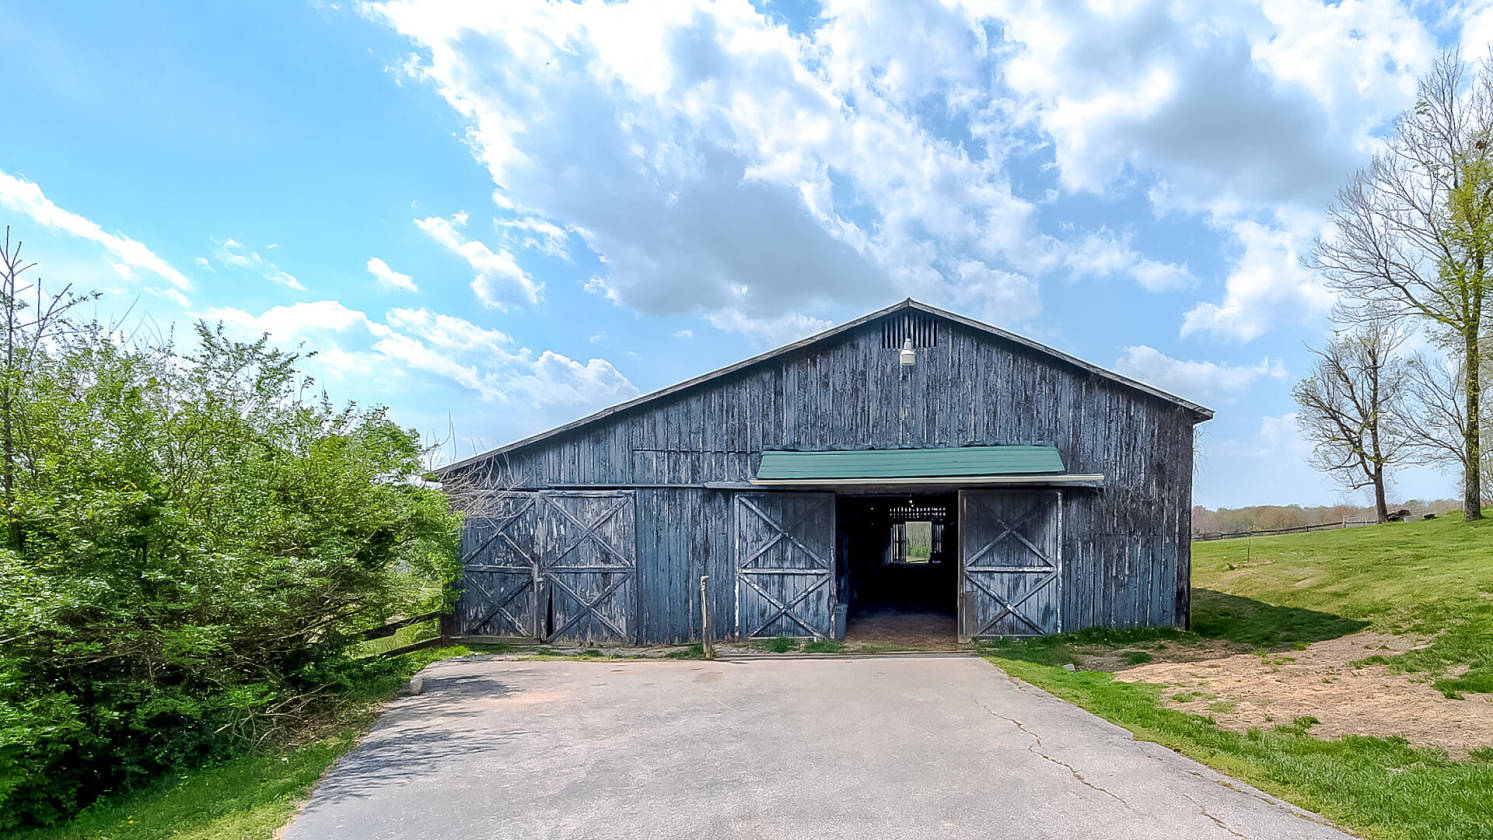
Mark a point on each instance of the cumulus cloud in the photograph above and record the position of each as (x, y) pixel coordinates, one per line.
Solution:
(418, 343)
(499, 282)
(716, 162)
(388, 277)
(1201, 381)
(1230, 103)
(126, 255)
(1267, 287)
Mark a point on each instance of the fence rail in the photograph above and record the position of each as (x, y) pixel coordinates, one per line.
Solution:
(393, 627)
(1270, 532)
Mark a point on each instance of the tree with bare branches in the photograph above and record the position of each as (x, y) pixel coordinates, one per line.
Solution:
(1352, 409)
(1436, 416)
(1414, 230)
(30, 317)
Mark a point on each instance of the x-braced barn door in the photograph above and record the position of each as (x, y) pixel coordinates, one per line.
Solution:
(500, 562)
(1010, 563)
(588, 566)
(785, 564)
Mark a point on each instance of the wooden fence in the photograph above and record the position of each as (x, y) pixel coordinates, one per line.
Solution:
(1270, 532)
(395, 626)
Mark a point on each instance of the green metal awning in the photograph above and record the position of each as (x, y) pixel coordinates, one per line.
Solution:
(957, 465)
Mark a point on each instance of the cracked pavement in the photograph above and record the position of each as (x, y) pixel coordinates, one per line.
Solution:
(833, 748)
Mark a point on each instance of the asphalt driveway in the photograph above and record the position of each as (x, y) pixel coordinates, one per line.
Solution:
(792, 748)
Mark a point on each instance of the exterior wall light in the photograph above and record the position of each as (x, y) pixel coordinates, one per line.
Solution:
(908, 357)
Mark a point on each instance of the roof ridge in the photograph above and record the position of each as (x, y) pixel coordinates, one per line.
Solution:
(906, 303)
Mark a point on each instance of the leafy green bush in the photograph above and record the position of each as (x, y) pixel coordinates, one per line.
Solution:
(191, 548)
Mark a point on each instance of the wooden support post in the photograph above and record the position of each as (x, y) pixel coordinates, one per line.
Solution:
(705, 643)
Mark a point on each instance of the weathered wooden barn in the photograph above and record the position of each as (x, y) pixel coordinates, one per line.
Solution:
(911, 460)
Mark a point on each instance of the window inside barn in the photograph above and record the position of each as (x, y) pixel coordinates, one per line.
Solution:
(917, 542)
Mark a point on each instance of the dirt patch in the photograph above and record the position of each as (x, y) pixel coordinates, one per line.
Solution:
(1241, 690)
(902, 629)
(1108, 658)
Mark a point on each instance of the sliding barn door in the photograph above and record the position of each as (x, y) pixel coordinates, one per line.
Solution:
(785, 564)
(500, 570)
(1010, 563)
(588, 566)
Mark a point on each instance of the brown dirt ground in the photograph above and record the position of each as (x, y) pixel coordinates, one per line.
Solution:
(902, 628)
(1240, 690)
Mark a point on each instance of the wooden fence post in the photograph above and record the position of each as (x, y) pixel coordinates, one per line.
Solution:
(705, 643)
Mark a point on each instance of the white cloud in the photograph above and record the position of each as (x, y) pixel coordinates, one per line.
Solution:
(1202, 381)
(1103, 254)
(388, 277)
(235, 254)
(768, 331)
(284, 278)
(535, 233)
(500, 282)
(686, 334)
(415, 344)
(1229, 103)
(22, 196)
(716, 162)
(1268, 287)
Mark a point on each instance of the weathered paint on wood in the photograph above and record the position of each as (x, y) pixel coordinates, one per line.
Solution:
(1125, 546)
(552, 565)
(1010, 563)
(785, 564)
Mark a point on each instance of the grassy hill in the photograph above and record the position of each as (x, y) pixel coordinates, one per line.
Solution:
(1431, 578)
(1274, 595)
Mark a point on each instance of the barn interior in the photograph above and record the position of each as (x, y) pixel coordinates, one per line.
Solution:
(897, 573)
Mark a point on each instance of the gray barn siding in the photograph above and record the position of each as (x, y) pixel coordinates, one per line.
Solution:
(1126, 546)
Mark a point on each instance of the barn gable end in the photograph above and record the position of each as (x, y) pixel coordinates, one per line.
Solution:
(686, 455)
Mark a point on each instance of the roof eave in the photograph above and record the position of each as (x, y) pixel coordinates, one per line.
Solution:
(1200, 413)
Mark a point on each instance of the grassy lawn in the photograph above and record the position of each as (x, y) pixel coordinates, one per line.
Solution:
(245, 798)
(1432, 578)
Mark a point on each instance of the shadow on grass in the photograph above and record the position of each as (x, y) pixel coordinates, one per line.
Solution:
(1217, 615)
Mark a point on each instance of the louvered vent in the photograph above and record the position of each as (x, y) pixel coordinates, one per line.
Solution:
(920, 328)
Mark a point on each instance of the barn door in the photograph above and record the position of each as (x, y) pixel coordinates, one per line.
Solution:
(588, 566)
(1010, 563)
(785, 564)
(500, 570)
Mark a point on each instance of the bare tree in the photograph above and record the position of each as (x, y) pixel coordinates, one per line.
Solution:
(1414, 230)
(1436, 415)
(29, 317)
(1352, 407)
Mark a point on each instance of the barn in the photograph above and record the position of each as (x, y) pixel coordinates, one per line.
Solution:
(912, 466)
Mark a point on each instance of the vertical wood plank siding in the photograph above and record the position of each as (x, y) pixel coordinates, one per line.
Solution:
(1125, 546)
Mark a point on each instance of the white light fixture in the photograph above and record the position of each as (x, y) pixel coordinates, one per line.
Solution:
(908, 356)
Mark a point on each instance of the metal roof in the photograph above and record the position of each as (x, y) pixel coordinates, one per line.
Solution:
(1199, 412)
(960, 461)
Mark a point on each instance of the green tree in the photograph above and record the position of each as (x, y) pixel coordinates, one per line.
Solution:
(1412, 235)
(201, 537)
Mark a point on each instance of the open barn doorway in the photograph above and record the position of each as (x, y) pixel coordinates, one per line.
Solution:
(898, 569)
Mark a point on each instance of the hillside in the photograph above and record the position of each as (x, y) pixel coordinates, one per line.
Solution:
(1432, 578)
(1349, 672)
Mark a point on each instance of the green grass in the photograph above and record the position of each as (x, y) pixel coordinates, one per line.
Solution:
(777, 644)
(1381, 787)
(243, 798)
(1432, 577)
(824, 646)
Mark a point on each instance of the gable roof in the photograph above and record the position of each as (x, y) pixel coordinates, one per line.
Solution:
(1199, 412)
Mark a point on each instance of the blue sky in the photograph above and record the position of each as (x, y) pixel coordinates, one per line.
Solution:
(497, 217)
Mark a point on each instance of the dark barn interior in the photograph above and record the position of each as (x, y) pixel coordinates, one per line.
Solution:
(897, 573)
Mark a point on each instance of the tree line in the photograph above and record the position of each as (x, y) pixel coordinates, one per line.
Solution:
(1409, 255)
(193, 538)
